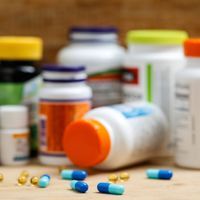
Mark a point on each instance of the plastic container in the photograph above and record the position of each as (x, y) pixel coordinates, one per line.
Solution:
(64, 98)
(187, 110)
(20, 78)
(116, 136)
(97, 48)
(14, 135)
(152, 60)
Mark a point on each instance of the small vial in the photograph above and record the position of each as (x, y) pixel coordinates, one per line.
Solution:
(22, 180)
(124, 176)
(25, 173)
(34, 180)
(113, 178)
(110, 188)
(44, 181)
(159, 174)
(79, 186)
(74, 174)
(14, 134)
(1, 177)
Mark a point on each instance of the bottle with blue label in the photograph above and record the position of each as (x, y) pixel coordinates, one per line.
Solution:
(116, 136)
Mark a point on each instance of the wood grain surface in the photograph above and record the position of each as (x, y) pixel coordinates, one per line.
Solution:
(185, 185)
(51, 19)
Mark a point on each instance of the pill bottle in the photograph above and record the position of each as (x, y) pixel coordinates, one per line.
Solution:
(14, 135)
(116, 136)
(20, 76)
(187, 109)
(150, 65)
(65, 97)
(97, 48)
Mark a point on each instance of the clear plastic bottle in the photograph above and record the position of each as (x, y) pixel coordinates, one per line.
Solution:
(116, 136)
(65, 97)
(97, 48)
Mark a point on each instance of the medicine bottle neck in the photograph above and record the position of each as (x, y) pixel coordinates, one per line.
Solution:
(152, 48)
(92, 39)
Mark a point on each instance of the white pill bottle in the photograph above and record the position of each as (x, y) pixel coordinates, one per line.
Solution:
(116, 136)
(97, 48)
(187, 108)
(64, 98)
(152, 60)
(14, 135)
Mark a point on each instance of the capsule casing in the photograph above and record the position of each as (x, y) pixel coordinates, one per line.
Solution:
(165, 174)
(79, 186)
(110, 188)
(74, 174)
(44, 181)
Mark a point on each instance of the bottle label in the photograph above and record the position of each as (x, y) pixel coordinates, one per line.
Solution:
(106, 87)
(21, 143)
(55, 115)
(130, 111)
(187, 116)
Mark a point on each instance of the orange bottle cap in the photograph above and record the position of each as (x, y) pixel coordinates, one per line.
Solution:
(192, 47)
(86, 142)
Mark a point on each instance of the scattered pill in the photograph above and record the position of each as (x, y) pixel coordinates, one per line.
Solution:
(124, 176)
(1, 177)
(79, 186)
(24, 173)
(34, 180)
(22, 180)
(159, 174)
(113, 178)
(74, 174)
(44, 181)
(110, 188)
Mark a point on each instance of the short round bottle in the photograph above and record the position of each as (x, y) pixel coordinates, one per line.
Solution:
(64, 98)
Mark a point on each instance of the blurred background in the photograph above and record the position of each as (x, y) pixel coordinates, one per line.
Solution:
(51, 19)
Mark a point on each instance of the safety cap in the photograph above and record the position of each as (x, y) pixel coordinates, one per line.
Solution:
(86, 142)
(192, 47)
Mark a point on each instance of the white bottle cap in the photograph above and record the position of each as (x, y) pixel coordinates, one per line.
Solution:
(13, 116)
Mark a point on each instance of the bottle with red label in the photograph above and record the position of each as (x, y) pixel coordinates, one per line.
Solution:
(98, 49)
(64, 98)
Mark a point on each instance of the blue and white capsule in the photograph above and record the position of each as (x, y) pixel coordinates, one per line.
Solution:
(110, 188)
(165, 174)
(44, 181)
(79, 186)
(73, 174)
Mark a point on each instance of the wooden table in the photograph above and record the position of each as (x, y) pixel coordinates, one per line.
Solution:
(185, 185)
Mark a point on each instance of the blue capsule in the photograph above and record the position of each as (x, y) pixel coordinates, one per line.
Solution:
(73, 174)
(44, 181)
(79, 186)
(159, 174)
(110, 188)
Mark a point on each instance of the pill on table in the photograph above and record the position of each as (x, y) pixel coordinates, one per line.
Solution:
(1, 177)
(113, 178)
(79, 186)
(124, 176)
(159, 174)
(110, 188)
(34, 180)
(22, 180)
(44, 181)
(73, 174)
